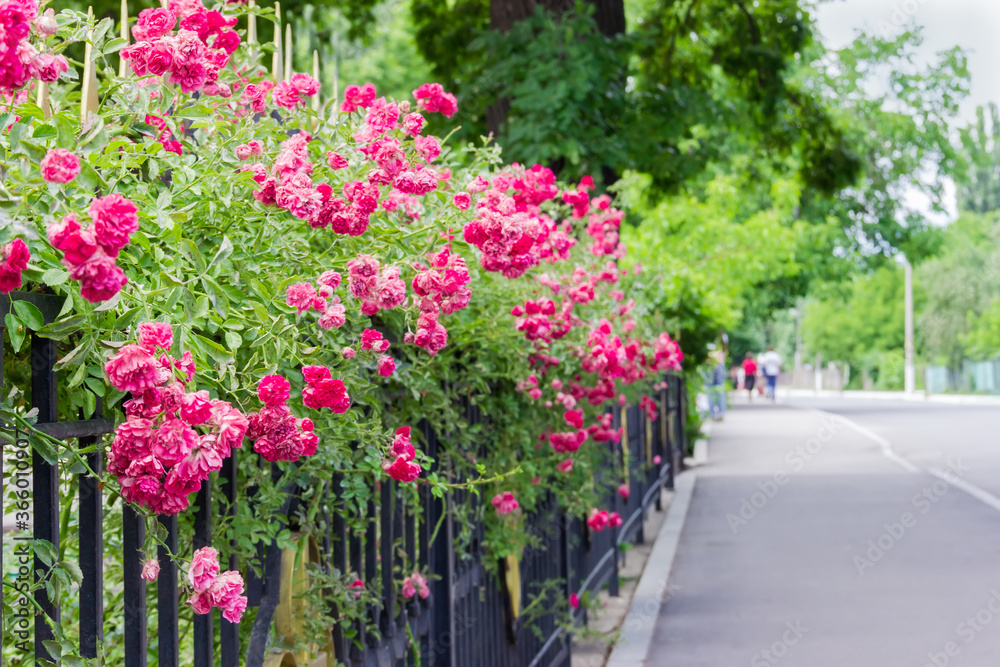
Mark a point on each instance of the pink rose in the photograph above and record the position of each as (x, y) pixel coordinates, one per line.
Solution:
(60, 166)
(173, 441)
(153, 24)
(100, 278)
(227, 41)
(203, 570)
(304, 84)
(504, 503)
(48, 67)
(285, 95)
(46, 23)
(234, 611)
(386, 365)
(115, 220)
(348, 352)
(151, 569)
(152, 335)
(133, 369)
(401, 469)
(13, 260)
(273, 390)
(335, 160)
(159, 58)
(226, 587)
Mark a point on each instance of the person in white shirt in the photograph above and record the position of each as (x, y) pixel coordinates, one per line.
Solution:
(770, 363)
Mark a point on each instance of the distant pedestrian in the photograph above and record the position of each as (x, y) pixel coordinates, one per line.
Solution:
(770, 362)
(750, 374)
(717, 385)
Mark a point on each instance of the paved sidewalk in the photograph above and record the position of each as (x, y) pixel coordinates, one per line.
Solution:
(806, 546)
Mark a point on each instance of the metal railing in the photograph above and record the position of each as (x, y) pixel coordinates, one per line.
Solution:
(471, 616)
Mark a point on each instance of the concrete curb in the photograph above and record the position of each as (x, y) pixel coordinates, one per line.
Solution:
(920, 397)
(653, 587)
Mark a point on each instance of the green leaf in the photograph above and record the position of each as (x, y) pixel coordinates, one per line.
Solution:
(29, 314)
(78, 376)
(62, 328)
(43, 132)
(109, 304)
(54, 277)
(75, 356)
(225, 250)
(233, 340)
(45, 552)
(73, 569)
(15, 330)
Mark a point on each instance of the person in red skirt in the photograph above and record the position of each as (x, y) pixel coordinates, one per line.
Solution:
(750, 371)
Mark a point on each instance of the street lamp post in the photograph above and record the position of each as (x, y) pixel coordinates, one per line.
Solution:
(909, 370)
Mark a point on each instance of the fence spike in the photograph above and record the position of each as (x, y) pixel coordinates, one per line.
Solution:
(88, 92)
(122, 63)
(43, 100)
(276, 59)
(288, 51)
(252, 24)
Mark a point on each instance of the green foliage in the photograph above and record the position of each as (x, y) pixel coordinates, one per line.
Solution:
(961, 286)
(979, 190)
(569, 114)
(863, 326)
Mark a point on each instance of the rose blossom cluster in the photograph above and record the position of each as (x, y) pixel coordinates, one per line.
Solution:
(194, 55)
(400, 463)
(214, 589)
(649, 406)
(277, 434)
(601, 519)
(357, 97)
(306, 296)
(432, 97)
(441, 287)
(90, 254)
(59, 166)
(172, 438)
(668, 355)
(14, 258)
(290, 94)
(405, 175)
(165, 137)
(376, 288)
(504, 503)
(602, 226)
(323, 391)
(415, 584)
(19, 60)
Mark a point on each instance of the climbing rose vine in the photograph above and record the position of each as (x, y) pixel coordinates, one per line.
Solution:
(238, 267)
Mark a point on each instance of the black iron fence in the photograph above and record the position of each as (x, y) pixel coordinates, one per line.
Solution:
(472, 616)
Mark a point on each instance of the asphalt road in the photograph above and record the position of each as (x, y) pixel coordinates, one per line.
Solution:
(807, 545)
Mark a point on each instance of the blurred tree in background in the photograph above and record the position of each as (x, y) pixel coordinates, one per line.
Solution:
(756, 165)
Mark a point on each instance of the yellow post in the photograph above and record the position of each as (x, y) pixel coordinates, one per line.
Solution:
(288, 51)
(316, 98)
(88, 92)
(252, 25)
(43, 100)
(122, 63)
(276, 59)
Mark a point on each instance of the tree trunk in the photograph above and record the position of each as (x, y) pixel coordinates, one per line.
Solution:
(609, 15)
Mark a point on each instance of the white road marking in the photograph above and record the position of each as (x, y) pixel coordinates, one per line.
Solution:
(884, 444)
(976, 492)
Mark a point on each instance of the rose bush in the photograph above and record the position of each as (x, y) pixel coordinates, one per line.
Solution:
(199, 223)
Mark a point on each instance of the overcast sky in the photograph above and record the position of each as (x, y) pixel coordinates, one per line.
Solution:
(972, 24)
